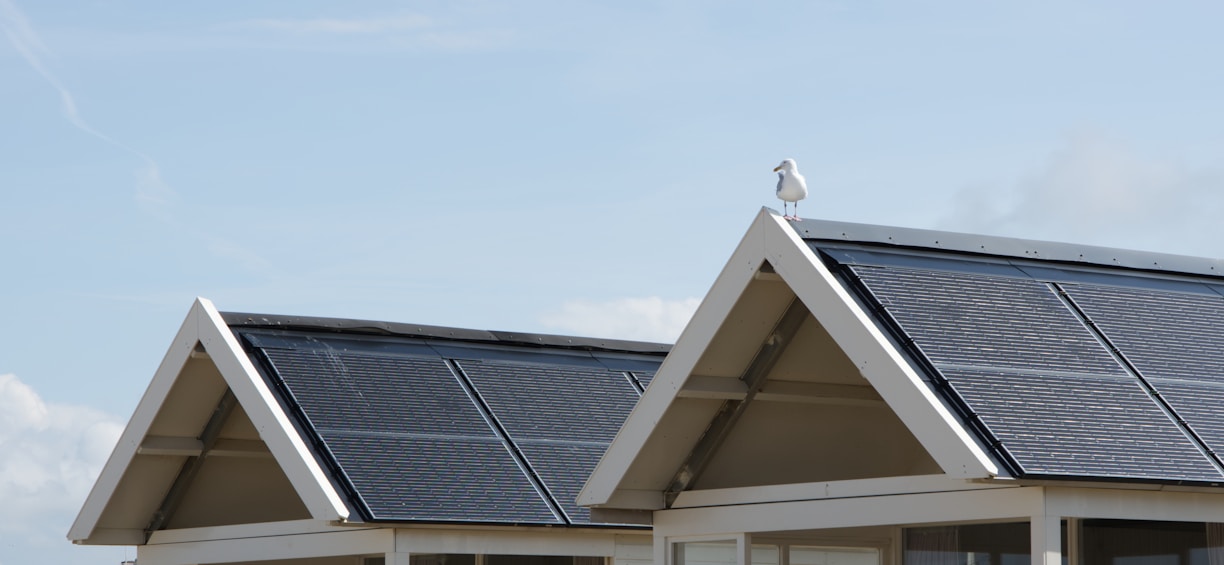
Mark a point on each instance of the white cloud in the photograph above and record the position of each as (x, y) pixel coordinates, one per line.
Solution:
(646, 319)
(52, 454)
(1099, 190)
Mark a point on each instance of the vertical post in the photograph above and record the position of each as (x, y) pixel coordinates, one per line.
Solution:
(1045, 535)
(661, 550)
(743, 545)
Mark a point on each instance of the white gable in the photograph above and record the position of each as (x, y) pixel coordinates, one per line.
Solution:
(834, 400)
(207, 445)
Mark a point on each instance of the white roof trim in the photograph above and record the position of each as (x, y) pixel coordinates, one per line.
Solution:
(204, 326)
(676, 368)
(770, 238)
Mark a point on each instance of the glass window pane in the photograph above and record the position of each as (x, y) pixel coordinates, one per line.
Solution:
(442, 559)
(811, 555)
(763, 554)
(972, 544)
(1136, 542)
(705, 553)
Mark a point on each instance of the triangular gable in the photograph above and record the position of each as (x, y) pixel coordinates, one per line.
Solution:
(774, 291)
(160, 442)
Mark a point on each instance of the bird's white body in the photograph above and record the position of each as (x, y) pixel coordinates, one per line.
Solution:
(792, 187)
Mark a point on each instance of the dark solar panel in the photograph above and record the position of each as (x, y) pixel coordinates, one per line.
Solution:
(561, 416)
(1042, 382)
(1082, 426)
(965, 319)
(644, 377)
(1175, 340)
(564, 467)
(407, 435)
(412, 477)
(1164, 334)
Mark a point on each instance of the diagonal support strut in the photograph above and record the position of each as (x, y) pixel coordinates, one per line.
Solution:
(731, 410)
(208, 438)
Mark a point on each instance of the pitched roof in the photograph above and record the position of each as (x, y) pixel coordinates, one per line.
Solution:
(419, 423)
(1003, 357)
(256, 418)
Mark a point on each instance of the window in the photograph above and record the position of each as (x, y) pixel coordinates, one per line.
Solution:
(469, 559)
(1133, 542)
(974, 544)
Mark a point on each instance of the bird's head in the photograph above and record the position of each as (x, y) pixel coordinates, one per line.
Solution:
(787, 165)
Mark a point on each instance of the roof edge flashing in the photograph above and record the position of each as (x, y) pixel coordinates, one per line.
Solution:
(1009, 247)
(343, 325)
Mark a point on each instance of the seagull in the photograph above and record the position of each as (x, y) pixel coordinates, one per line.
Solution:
(791, 186)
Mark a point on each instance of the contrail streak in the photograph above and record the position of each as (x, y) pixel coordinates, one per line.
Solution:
(150, 189)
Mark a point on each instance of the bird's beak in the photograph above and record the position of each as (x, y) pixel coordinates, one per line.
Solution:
(777, 168)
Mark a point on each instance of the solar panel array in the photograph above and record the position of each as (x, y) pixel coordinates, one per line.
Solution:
(1064, 374)
(430, 430)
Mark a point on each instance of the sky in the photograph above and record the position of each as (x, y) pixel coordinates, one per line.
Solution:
(560, 167)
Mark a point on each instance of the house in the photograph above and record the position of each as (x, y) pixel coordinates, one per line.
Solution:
(284, 440)
(845, 395)
(851, 394)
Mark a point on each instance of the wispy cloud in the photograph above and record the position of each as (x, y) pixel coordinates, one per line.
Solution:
(151, 191)
(394, 32)
(351, 26)
(1097, 189)
(647, 319)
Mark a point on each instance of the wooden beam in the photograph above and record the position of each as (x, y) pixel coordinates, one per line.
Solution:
(725, 388)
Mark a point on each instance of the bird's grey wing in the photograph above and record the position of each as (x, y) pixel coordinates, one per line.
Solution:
(781, 177)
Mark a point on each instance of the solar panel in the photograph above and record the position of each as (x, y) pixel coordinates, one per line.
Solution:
(561, 416)
(964, 319)
(1091, 426)
(407, 435)
(1165, 334)
(1175, 340)
(1037, 377)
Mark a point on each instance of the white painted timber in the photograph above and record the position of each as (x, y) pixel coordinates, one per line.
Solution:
(828, 490)
(238, 531)
(939, 432)
(926, 508)
(138, 426)
(339, 542)
(275, 427)
(511, 542)
(1045, 539)
(1128, 504)
(192, 447)
(728, 388)
(676, 368)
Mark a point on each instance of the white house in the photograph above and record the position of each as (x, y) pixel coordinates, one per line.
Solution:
(845, 395)
(859, 394)
(282, 440)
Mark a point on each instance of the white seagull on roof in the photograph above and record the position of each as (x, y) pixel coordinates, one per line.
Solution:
(792, 187)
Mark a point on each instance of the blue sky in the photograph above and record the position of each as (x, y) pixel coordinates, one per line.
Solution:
(563, 167)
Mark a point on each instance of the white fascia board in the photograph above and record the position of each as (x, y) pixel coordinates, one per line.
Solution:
(1128, 504)
(937, 429)
(925, 508)
(676, 368)
(138, 426)
(334, 543)
(881, 486)
(275, 427)
(255, 530)
(525, 541)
